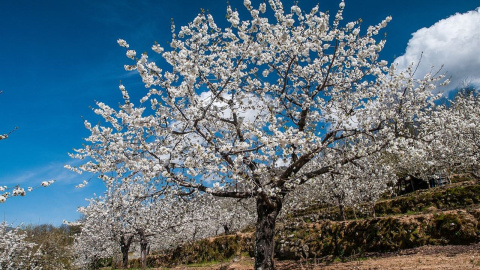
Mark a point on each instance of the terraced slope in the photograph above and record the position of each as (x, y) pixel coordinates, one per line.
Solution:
(439, 216)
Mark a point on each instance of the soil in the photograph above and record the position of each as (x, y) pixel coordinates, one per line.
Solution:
(427, 257)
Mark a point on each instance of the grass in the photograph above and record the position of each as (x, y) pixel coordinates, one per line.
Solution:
(203, 264)
(410, 212)
(135, 268)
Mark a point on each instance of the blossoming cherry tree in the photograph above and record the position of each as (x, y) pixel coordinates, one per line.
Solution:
(257, 109)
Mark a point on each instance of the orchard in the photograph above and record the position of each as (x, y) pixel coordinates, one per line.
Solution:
(242, 124)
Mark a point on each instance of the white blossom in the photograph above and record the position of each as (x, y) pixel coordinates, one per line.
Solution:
(131, 54)
(122, 43)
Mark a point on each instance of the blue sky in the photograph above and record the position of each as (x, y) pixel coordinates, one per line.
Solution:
(58, 57)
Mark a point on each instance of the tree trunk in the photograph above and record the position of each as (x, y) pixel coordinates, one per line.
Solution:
(265, 231)
(124, 257)
(342, 208)
(143, 249)
(125, 247)
(342, 212)
(226, 229)
(95, 263)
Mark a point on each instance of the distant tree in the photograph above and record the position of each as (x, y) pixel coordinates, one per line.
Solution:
(216, 215)
(446, 142)
(128, 214)
(53, 245)
(230, 215)
(15, 251)
(258, 109)
(91, 245)
(107, 218)
(355, 185)
(458, 137)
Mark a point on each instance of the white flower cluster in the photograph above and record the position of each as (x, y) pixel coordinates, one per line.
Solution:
(20, 191)
(47, 183)
(82, 185)
(131, 54)
(123, 43)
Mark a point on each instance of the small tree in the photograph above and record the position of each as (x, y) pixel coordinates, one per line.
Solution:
(129, 213)
(258, 108)
(15, 251)
(91, 245)
(111, 217)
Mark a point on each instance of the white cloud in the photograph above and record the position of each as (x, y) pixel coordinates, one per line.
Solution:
(453, 42)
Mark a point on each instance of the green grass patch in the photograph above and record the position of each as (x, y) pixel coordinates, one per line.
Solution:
(204, 264)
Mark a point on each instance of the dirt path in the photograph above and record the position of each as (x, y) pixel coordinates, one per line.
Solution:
(427, 257)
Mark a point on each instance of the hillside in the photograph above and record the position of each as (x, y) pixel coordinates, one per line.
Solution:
(423, 220)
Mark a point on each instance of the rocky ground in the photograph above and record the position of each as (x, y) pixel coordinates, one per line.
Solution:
(454, 257)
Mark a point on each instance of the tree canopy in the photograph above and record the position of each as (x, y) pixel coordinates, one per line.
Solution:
(258, 109)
